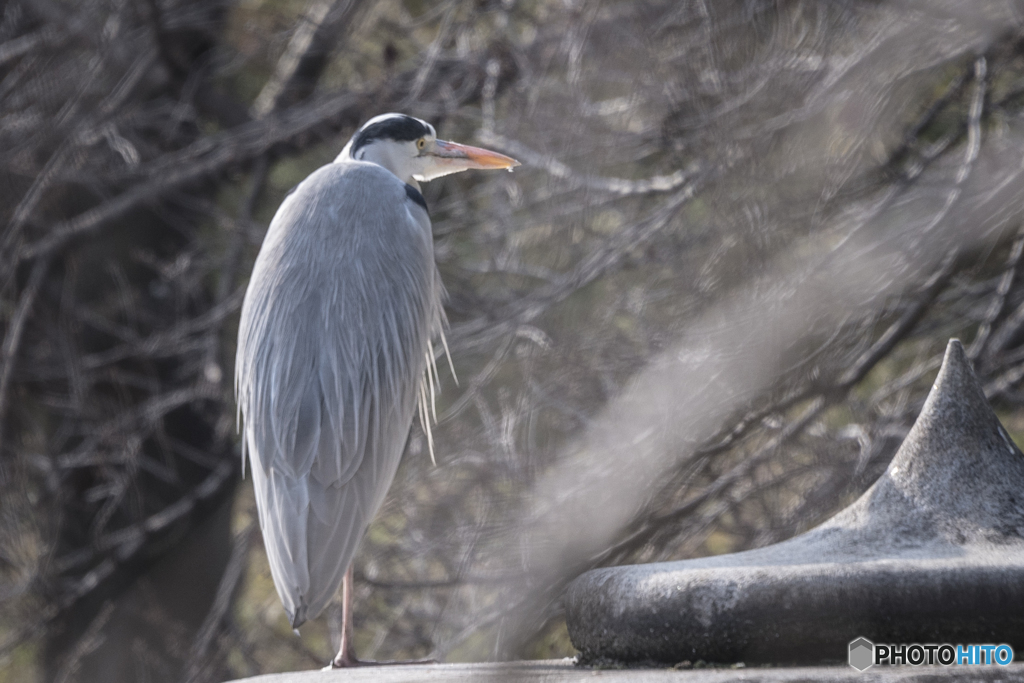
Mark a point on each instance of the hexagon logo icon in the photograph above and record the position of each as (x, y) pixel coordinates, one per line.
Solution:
(862, 654)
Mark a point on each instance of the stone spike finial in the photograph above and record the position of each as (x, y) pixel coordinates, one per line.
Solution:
(956, 418)
(957, 468)
(933, 552)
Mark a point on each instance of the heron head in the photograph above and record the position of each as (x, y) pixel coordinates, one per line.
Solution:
(409, 148)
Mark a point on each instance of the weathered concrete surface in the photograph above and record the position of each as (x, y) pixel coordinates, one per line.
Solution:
(559, 671)
(933, 552)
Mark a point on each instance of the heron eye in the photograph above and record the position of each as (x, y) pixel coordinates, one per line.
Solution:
(421, 143)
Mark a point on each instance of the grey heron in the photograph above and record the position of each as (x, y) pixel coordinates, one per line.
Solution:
(335, 352)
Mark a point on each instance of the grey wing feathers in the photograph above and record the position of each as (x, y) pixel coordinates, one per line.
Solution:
(335, 326)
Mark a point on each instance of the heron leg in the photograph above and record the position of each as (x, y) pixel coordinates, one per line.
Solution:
(346, 656)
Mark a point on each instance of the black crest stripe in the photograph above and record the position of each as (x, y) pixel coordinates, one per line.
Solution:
(414, 194)
(402, 128)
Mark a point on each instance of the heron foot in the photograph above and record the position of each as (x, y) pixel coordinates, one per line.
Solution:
(346, 657)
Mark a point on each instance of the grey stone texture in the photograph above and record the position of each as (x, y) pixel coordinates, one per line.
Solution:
(933, 552)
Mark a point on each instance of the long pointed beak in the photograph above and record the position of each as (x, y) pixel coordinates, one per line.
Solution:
(460, 157)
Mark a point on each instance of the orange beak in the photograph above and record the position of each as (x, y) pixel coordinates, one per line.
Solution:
(456, 157)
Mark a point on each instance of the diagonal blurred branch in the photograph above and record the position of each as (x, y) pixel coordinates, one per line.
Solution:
(324, 23)
(12, 342)
(89, 641)
(226, 590)
(420, 79)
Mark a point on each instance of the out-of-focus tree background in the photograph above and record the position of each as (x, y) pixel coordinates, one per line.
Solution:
(699, 318)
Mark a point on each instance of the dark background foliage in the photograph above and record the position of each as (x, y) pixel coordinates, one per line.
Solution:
(699, 318)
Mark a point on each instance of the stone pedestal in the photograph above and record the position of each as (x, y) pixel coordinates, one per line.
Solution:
(933, 552)
(564, 671)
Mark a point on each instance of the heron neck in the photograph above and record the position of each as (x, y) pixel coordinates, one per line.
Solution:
(390, 158)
